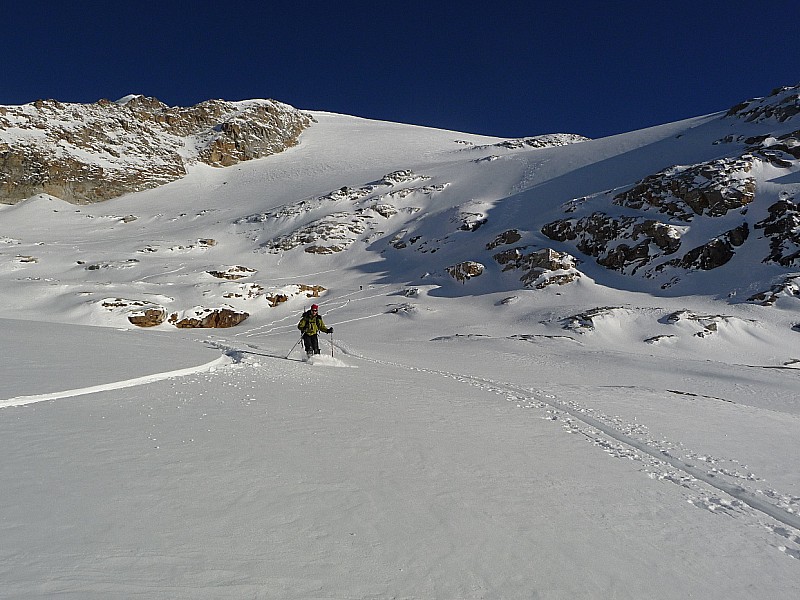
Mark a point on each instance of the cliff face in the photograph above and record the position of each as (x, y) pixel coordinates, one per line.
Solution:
(85, 153)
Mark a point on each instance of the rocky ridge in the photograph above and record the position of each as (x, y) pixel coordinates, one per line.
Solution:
(85, 153)
(643, 230)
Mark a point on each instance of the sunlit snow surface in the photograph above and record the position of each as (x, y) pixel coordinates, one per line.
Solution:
(481, 441)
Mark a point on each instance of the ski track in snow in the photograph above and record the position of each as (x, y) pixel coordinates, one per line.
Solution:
(616, 438)
(613, 435)
(116, 385)
(278, 327)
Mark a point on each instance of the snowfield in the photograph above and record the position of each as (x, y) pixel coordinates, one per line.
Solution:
(453, 440)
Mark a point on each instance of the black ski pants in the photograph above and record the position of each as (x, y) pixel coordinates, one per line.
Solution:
(311, 343)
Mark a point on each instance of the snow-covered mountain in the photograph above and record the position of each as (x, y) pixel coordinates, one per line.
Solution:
(704, 206)
(561, 368)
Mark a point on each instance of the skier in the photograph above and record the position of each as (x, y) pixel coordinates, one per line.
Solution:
(310, 325)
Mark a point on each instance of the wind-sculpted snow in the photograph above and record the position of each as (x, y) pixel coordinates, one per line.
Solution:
(347, 196)
(591, 319)
(359, 214)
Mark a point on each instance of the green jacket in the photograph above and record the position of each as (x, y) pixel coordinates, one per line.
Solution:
(312, 324)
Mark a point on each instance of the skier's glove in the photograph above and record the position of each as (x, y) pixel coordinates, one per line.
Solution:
(330, 329)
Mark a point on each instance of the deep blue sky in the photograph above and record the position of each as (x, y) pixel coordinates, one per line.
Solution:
(509, 69)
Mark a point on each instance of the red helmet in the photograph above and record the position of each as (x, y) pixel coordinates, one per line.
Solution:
(314, 307)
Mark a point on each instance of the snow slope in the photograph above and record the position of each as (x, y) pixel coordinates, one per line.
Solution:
(444, 469)
(475, 440)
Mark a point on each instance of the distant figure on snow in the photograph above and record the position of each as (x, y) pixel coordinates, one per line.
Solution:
(310, 325)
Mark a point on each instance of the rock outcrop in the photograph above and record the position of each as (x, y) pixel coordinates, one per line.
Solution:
(464, 271)
(589, 320)
(782, 104)
(200, 317)
(714, 253)
(233, 273)
(85, 153)
(511, 236)
(711, 189)
(149, 317)
(782, 228)
(619, 243)
(539, 268)
(278, 297)
(550, 140)
(789, 287)
(714, 205)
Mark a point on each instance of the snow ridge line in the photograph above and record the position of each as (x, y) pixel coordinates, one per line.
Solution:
(115, 385)
(735, 491)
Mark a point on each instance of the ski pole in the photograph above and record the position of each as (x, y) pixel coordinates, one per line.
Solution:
(295, 346)
(331, 344)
